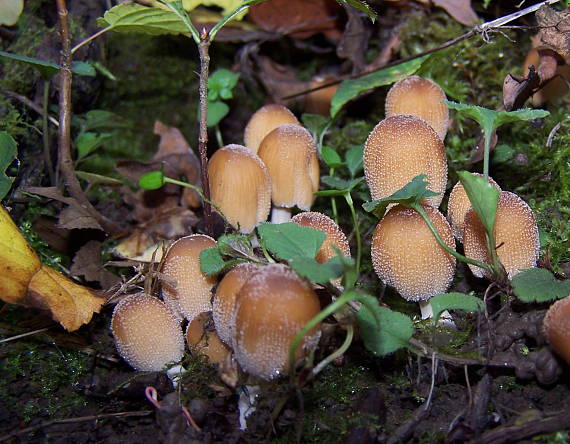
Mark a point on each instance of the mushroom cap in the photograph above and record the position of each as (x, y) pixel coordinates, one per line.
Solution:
(147, 335)
(557, 327)
(406, 255)
(334, 235)
(555, 88)
(458, 205)
(290, 154)
(240, 186)
(397, 150)
(272, 307)
(516, 236)
(265, 120)
(204, 340)
(224, 301)
(192, 293)
(419, 97)
(319, 101)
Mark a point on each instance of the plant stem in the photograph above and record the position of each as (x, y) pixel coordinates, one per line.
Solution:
(195, 188)
(350, 203)
(338, 352)
(333, 200)
(45, 135)
(418, 207)
(90, 38)
(486, 152)
(219, 138)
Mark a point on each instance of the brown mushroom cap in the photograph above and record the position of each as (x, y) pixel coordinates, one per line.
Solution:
(147, 335)
(458, 205)
(319, 101)
(557, 327)
(398, 149)
(204, 340)
(240, 186)
(334, 235)
(192, 293)
(516, 236)
(224, 301)
(271, 308)
(290, 154)
(422, 98)
(265, 120)
(406, 255)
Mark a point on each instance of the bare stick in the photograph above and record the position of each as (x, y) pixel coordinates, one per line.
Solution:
(29, 104)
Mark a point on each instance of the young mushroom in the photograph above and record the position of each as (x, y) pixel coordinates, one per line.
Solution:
(556, 325)
(458, 205)
(406, 255)
(398, 149)
(419, 97)
(516, 236)
(290, 154)
(202, 338)
(147, 335)
(185, 289)
(265, 120)
(240, 186)
(271, 308)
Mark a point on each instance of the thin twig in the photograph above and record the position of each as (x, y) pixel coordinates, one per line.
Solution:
(90, 38)
(23, 335)
(29, 104)
(483, 29)
(73, 421)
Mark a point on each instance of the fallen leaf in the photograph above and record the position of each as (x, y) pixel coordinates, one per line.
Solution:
(460, 10)
(279, 80)
(354, 41)
(10, 11)
(300, 19)
(555, 30)
(87, 263)
(75, 216)
(516, 90)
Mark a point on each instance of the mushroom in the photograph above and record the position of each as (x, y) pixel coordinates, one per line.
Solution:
(290, 154)
(224, 301)
(265, 120)
(147, 335)
(419, 97)
(271, 308)
(319, 101)
(334, 235)
(557, 327)
(516, 236)
(398, 149)
(190, 293)
(406, 255)
(202, 338)
(555, 87)
(240, 186)
(458, 205)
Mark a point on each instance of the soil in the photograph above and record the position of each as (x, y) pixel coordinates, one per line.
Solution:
(65, 387)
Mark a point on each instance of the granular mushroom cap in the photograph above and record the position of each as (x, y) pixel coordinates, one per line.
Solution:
(334, 235)
(271, 308)
(206, 341)
(458, 205)
(516, 236)
(240, 186)
(147, 335)
(192, 293)
(290, 154)
(265, 120)
(398, 149)
(419, 97)
(224, 301)
(557, 327)
(406, 255)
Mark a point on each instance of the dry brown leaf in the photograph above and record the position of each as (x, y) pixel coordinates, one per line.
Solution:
(555, 30)
(460, 10)
(77, 217)
(87, 263)
(299, 18)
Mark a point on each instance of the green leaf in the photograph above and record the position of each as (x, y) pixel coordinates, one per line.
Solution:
(104, 71)
(412, 193)
(454, 301)
(221, 84)
(354, 159)
(216, 112)
(235, 245)
(331, 157)
(320, 273)
(48, 69)
(88, 142)
(503, 153)
(490, 120)
(130, 17)
(341, 184)
(8, 152)
(351, 88)
(315, 123)
(211, 261)
(10, 11)
(83, 69)
(290, 240)
(360, 6)
(392, 332)
(152, 181)
(483, 196)
(539, 285)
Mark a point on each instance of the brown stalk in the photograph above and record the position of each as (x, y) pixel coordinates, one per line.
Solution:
(64, 134)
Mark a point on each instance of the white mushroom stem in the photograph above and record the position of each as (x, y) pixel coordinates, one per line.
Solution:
(280, 215)
(445, 319)
(175, 373)
(246, 403)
